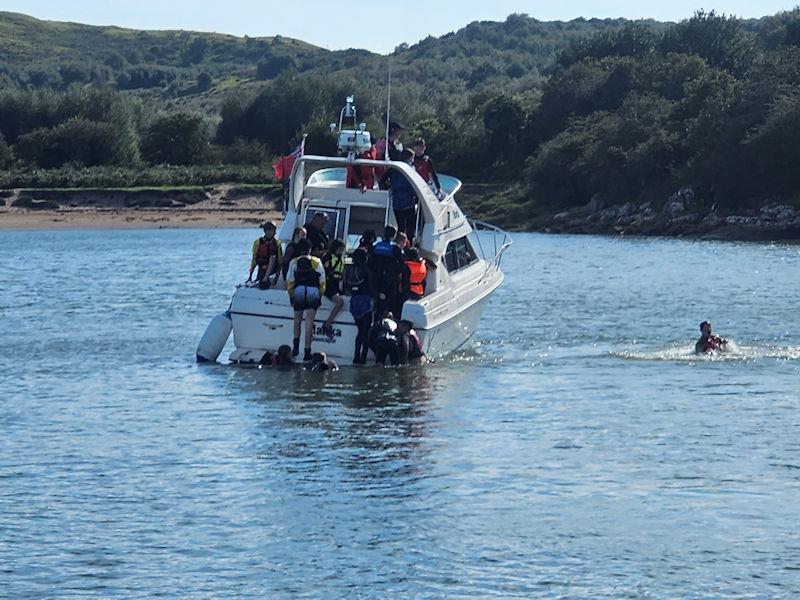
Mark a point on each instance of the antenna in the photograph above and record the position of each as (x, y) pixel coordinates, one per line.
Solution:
(388, 108)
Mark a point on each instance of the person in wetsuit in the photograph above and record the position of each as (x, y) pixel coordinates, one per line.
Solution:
(361, 288)
(708, 342)
(424, 166)
(388, 266)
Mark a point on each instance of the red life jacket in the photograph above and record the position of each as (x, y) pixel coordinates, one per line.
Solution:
(266, 250)
(367, 174)
(423, 167)
(419, 271)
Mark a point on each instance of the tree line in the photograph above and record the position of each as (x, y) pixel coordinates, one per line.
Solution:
(632, 113)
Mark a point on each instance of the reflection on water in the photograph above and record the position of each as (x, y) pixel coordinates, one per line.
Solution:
(578, 449)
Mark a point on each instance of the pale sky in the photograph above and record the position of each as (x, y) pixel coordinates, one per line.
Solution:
(376, 25)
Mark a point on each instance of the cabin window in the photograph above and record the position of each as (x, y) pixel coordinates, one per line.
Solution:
(336, 220)
(459, 254)
(361, 219)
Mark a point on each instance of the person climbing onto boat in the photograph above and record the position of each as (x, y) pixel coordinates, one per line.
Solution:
(709, 342)
(417, 275)
(267, 255)
(291, 249)
(333, 262)
(388, 266)
(360, 286)
(424, 166)
(385, 342)
(362, 177)
(315, 233)
(305, 283)
(409, 343)
(404, 200)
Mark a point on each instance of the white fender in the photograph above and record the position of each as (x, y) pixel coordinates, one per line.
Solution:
(213, 340)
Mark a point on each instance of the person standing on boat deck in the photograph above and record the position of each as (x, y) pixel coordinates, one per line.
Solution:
(290, 252)
(388, 266)
(333, 262)
(362, 177)
(315, 232)
(394, 148)
(359, 283)
(305, 283)
(404, 199)
(424, 166)
(417, 275)
(267, 256)
(367, 243)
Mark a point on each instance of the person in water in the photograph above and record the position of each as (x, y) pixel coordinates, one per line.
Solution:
(385, 341)
(409, 343)
(321, 362)
(305, 283)
(333, 262)
(267, 255)
(708, 342)
(281, 358)
(360, 285)
(291, 249)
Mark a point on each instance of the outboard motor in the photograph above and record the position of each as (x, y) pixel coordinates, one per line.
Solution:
(214, 339)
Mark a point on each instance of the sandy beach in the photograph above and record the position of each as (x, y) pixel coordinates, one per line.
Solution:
(142, 209)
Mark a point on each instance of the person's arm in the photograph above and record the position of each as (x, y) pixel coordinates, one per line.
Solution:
(253, 261)
(287, 259)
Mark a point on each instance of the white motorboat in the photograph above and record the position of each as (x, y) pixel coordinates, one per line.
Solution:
(466, 254)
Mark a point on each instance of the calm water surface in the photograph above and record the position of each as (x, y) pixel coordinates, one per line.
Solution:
(578, 450)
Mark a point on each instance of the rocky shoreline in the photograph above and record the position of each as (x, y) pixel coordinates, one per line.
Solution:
(682, 215)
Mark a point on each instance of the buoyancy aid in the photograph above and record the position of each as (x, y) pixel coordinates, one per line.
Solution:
(419, 271)
(356, 280)
(266, 250)
(334, 266)
(305, 274)
(383, 249)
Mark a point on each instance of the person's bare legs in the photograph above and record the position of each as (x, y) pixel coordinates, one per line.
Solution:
(337, 306)
(298, 318)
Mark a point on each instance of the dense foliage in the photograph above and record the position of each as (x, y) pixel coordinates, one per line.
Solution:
(628, 110)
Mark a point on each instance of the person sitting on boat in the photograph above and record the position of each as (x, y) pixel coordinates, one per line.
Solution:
(409, 343)
(362, 177)
(333, 262)
(321, 362)
(388, 266)
(424, 166)
(305, 283)
(290, 252)
(417, 274)
(315, 232)
(360, 286)
(267, 255)
(404, 199)
(709, 342)
(385, 342)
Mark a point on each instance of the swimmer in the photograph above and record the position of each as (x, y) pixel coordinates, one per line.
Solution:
(709, 342)
(321, 362)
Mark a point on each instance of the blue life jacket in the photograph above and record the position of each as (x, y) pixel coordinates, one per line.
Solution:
(383, 249)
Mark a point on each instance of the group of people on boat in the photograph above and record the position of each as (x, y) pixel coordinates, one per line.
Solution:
(382, 276)
(404, 199)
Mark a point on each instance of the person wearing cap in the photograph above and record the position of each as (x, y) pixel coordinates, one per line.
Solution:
(267, 256)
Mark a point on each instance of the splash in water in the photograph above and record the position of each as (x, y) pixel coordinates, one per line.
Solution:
(733, 352)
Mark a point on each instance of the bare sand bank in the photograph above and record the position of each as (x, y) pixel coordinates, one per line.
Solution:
(140, 209)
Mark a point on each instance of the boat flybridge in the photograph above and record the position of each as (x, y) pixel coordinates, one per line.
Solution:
(466, 255)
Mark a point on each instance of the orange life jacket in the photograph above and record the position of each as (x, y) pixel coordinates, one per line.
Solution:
(419, 271)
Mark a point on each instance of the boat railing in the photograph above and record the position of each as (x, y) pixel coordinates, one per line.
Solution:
(493, 249)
